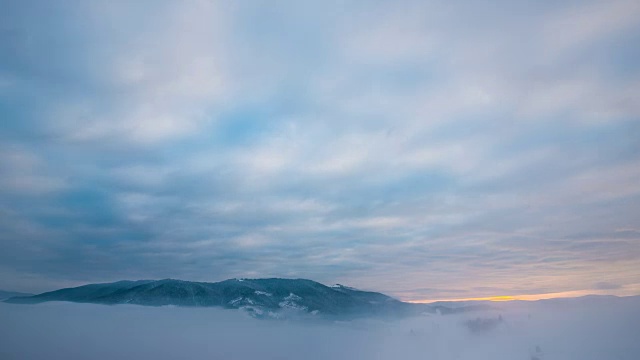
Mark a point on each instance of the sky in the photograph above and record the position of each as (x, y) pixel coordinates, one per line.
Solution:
(428, 150)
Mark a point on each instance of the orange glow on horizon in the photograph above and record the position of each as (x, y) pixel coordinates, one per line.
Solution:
(533, 297)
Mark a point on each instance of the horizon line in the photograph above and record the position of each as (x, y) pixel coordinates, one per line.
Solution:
(495, 298)
(529, 297)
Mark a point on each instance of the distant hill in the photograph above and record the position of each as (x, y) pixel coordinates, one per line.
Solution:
(259, 297)
(9, 294)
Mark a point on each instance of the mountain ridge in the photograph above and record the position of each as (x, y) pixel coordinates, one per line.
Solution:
(263, 297)
(4, 294)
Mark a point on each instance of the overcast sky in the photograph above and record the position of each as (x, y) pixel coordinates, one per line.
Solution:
(428, 149)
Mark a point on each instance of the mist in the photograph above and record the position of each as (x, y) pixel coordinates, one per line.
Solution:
(565, 329)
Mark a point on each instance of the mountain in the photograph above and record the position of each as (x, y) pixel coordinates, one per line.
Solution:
(9, 294)
(259, 297)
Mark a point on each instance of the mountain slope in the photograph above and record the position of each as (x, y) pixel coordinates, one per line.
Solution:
(259, 297)
(9, 294)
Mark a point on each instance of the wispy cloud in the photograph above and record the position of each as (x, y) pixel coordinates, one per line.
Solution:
(429, 149)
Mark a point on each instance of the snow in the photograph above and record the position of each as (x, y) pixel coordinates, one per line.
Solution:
(235, 301)
(292, 297)
(289, 302)
(263, 293)
(339, 286)
(292, 305)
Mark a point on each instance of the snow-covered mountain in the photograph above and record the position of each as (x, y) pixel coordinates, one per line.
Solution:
(259, 297)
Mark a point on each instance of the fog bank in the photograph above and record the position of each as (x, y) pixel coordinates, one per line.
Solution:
(605, 329)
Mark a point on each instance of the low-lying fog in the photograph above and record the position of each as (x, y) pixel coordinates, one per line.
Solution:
(583, 330)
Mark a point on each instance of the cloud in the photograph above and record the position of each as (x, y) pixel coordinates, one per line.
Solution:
(522, 331)
(384, 146)
(606, 286)
(26, 173)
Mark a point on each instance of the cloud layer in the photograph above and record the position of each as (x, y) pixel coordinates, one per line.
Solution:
(426, 149)
(584, 329)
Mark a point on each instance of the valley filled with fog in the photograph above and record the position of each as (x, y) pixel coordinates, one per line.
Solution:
(582, 328)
